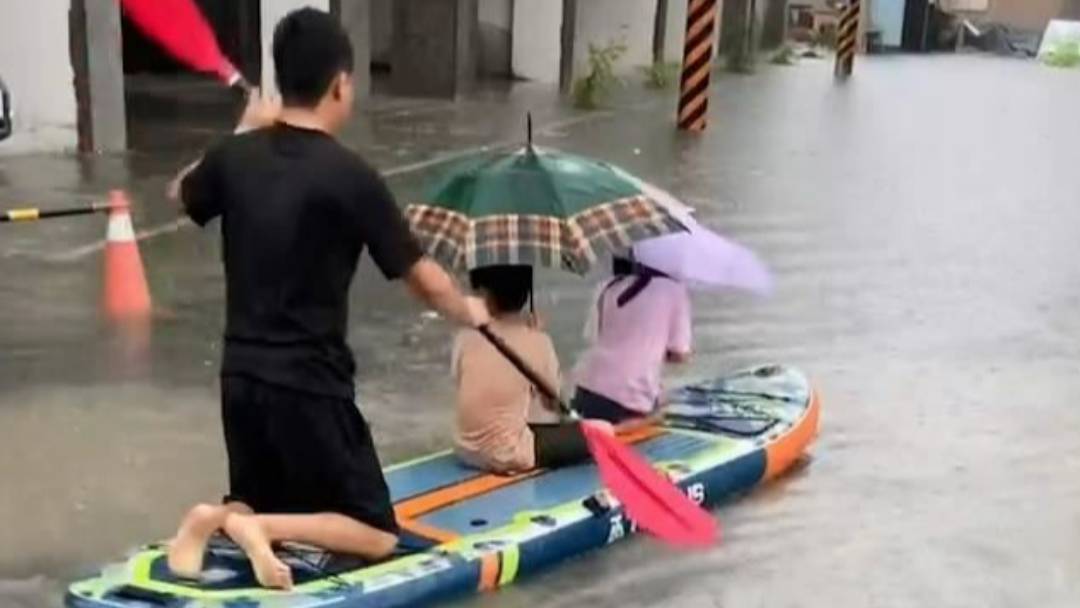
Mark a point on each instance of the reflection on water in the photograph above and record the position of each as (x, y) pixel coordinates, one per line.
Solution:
(927, 270)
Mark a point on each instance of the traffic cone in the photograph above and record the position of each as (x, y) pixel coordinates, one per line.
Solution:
(127, 296)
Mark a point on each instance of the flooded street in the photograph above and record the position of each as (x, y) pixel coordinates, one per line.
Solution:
(921, 221)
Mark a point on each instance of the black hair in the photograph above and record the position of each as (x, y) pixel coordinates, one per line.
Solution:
(507, 287)
(310, 50)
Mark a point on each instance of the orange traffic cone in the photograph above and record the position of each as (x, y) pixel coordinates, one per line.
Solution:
(127, 296)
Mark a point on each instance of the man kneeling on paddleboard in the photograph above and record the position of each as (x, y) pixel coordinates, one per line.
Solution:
(297, 211)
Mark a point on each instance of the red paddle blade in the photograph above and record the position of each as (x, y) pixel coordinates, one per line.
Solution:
(656, 504)
(180, 28)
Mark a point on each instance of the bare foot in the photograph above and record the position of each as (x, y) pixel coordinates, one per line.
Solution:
(247, 532)
(186, 551)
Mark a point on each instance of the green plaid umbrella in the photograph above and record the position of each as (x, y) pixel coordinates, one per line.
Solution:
(537, 207)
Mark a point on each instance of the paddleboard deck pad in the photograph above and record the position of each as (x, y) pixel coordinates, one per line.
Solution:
(465, 531)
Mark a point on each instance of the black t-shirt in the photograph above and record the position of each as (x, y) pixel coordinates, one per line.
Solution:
(297, 210)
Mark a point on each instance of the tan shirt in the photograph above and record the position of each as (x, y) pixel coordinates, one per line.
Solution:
(495, 402)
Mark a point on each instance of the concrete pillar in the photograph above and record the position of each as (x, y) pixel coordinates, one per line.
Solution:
(659, 43)
(98, 63)
(774, 26)
(270, 12)
(355, 17)
(495, 19)
(740, 30)
(433, 52)
(567, 44)
(382, 31)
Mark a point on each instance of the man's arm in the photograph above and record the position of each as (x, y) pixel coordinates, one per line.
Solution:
(261, 111)
(681, 333)
(430, 284)
(172, 191)
(677, 357)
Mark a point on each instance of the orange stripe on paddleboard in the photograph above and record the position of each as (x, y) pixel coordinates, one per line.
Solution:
(426, 503)
(783, 453)
(407, 511)
(427, 531)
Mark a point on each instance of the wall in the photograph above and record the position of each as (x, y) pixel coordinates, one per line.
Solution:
(271, 12)
(36, 65)
(1032, 15)
(496, 23)
(1025, 14)
(887, 16)
(535, 41)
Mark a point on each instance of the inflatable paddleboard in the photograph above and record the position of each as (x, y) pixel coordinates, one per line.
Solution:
(465, 531)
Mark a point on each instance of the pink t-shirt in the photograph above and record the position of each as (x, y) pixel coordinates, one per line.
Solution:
(630, 344)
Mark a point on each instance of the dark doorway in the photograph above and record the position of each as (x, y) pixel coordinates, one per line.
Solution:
(916, 34)
(235, 22)
(167, 105)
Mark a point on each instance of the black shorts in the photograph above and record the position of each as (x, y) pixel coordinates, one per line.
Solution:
(295, 452)
(559, 445)
(599, 407)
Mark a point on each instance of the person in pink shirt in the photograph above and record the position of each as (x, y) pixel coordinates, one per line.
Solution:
(639, 321)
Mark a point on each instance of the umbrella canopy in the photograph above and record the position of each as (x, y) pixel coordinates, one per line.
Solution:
(538, 207)
(704, 260)
(698, 256)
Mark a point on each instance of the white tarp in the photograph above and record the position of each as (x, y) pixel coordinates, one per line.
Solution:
(1059, 36)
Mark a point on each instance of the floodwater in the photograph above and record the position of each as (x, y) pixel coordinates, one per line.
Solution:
(922, 221)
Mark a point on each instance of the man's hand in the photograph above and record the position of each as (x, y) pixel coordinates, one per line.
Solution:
(677, 358)
(434, 287)
(261, 111)
(172, 190)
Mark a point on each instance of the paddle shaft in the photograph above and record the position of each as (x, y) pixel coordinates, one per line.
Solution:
(29, 215)
(526, 370)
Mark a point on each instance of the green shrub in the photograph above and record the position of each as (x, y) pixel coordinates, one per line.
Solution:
(1065, 55)
(592, 90)
(785, 55)
(660, 75)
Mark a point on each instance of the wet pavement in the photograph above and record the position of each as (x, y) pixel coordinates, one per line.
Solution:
(921, 220)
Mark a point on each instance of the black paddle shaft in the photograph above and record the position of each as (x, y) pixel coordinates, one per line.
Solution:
(526, 370)
(23, 215)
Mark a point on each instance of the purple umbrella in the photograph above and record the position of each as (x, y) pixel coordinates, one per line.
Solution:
(701, 258)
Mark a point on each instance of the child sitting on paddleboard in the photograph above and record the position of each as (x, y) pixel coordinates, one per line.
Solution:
(639, 321)
(504, 424)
